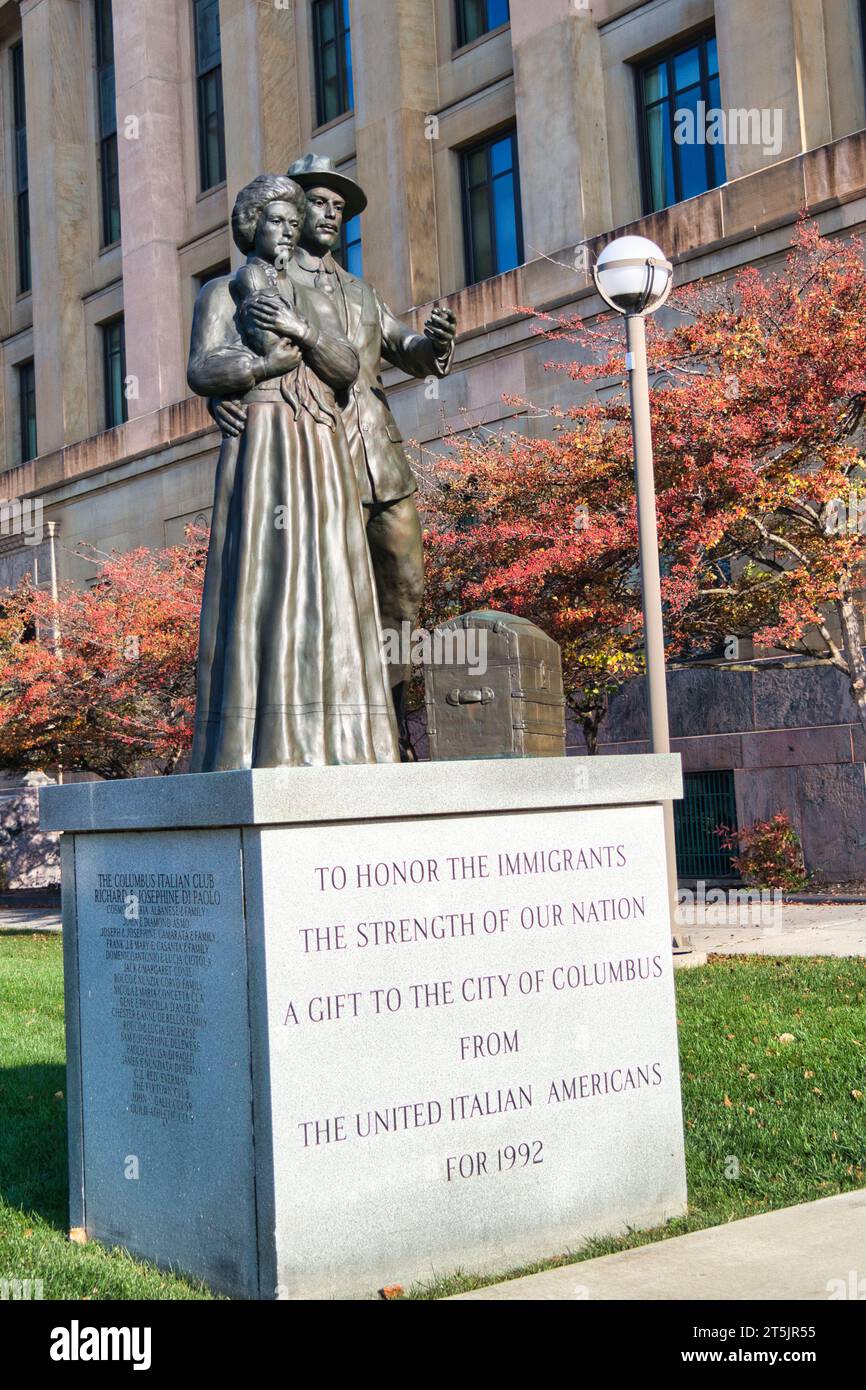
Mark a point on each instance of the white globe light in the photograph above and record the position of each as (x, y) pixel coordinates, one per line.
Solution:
(633, 276)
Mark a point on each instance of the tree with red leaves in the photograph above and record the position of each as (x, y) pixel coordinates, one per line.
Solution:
(757, 414)
(544, 528)
(103, 680)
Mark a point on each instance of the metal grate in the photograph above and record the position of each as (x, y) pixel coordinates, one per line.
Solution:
(708, 802)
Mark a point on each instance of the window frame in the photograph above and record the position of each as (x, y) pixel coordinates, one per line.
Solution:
(461, 41)
(345, 71)
(465, 153)
(106, 329)
(25, 420)
(214, 272)
(23, 256)
(208, 75)
(342, 254)
(667, 54)
(108, 156)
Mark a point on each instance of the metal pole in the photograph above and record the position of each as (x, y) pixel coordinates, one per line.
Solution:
(52, 553)
(650, 580)
(52, 560)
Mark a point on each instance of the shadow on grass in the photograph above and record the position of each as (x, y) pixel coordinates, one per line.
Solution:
(33, 1173)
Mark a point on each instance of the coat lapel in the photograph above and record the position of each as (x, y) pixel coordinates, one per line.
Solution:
(354, 292)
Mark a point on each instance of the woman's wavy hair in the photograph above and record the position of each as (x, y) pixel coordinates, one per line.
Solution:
(267, 188)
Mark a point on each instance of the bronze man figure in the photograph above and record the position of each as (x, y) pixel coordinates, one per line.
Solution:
(385, 478)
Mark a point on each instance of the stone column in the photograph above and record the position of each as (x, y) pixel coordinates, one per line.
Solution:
(786, 72)
(148, 55)
(259, 56)
(394, 65)
(561, 125)
(57, 86)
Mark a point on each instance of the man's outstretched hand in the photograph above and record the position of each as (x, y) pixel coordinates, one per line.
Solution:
(441, 329)
(231, 416)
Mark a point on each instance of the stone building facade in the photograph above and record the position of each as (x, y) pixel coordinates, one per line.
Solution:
(500, 146)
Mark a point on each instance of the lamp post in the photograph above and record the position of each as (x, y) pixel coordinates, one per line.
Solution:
(633, 276)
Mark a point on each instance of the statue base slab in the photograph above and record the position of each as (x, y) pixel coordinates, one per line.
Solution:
(332, 1029)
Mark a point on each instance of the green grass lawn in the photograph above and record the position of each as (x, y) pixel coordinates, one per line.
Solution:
(768, 1123)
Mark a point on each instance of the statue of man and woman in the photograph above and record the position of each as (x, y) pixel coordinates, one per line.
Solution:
(315, 539)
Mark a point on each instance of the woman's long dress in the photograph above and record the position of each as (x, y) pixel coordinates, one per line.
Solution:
(290, 667)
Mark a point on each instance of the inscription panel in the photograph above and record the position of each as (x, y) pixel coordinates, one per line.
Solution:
(165, 1053)
(473, 1044)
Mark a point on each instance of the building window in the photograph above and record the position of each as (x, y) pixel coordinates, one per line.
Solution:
(22, 196)
(492, 225)
(349, 254)
(209, 73)
(333, 54)
(114, 372)
(27, 410)
(676, 90)
(477, 17)
(107, 123)
(224, 268)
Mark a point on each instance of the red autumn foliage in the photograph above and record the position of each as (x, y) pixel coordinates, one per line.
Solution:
(104, 680)
(757, 411)
(770, 854)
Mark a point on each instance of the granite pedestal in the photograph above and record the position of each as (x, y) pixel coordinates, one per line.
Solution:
(336, 1028)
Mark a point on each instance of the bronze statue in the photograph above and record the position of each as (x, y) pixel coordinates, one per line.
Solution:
(385, 479)
(290, 667)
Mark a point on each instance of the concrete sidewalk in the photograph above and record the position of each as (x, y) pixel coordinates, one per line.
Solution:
(813, 1251)
(792, 929)
(17, 920)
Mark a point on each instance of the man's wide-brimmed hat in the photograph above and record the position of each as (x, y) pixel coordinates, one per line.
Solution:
(317, 171)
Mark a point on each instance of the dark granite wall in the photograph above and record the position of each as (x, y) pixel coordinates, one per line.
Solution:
(791, 737)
